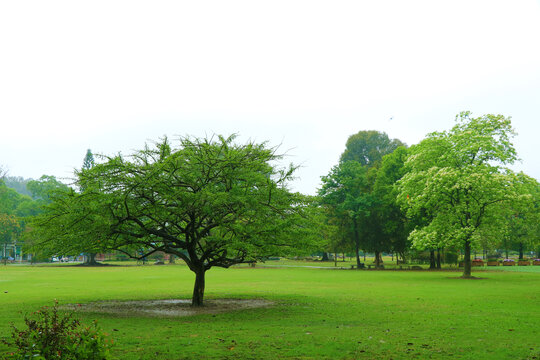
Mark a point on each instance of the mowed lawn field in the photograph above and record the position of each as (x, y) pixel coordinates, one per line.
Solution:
(317, 313)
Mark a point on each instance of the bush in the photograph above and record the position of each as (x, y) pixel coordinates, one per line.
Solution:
(52, 335)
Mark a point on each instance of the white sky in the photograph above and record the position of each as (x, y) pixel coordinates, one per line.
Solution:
(110, 75)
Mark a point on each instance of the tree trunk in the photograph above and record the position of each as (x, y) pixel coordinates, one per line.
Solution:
(91, 259)
(357, 245)
(520, 251)
(357, 258)
(198, 289)
(467, 260)
(431, 259)
(171, 259)
(403, 260)
(438, 258)
(324, 256)
(377, 259)
(335, 258)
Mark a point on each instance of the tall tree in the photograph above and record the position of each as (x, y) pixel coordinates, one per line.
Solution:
(369, 147)
(395, 226)
(345, 193)
(210, 202)
(349, 190)
(458, 178)
(88, 161)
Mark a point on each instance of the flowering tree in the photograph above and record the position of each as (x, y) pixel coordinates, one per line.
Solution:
(458, 179)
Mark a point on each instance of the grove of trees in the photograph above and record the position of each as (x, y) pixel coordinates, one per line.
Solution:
(453, 190)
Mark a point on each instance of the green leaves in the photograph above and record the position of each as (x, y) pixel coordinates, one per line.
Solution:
(219, 201)
(456, 179)
(358, 192)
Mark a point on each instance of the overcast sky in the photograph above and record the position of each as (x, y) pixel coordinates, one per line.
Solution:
(111, 75)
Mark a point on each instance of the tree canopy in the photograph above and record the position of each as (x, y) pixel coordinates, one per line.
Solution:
(369, 147)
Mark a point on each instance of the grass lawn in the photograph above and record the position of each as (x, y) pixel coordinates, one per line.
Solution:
(319, 313)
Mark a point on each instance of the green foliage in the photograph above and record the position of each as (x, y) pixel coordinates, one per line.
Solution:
(345, 195)
(9, 228)
(369, 147)
(15, 210)
(45, 187)
(88, 161)
(53, 335)
(9, 199)
(394, 225)
(359, 195)
(211, 202)
(518, 227)
(18, 184)
(456, 180)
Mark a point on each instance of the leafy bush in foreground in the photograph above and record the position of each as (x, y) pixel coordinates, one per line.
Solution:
(53, 335)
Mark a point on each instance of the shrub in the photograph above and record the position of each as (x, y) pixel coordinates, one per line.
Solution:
(52, 335)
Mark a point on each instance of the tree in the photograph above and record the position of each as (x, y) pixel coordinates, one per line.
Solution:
(345, 194)
(349, 191)
(18, 184)
(210, 202)
(88, 161)
(457, 177)
(369, 147)
(9, 199)
(9, 227)
(44, 188)
(395, 226)
(522, 216)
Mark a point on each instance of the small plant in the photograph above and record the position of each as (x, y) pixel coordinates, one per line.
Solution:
(53, 335)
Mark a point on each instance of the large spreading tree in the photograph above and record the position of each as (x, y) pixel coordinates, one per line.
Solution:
(211, 202)
(459, 179)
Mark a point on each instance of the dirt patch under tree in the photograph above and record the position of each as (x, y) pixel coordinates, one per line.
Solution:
(167, 308)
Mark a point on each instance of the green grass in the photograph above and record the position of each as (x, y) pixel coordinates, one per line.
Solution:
(319, 314)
